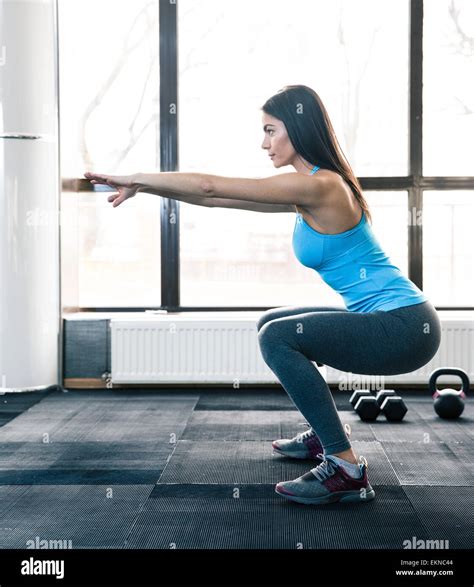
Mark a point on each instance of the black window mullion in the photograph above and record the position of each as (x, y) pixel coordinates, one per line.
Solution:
(415, 196)
(169, 152)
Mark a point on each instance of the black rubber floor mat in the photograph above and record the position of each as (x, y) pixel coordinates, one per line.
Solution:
(76, 419)
(273, 522)
(9, 495)
(57, 476)
(244, 399)
(253, 462)
(259, 425)
(446, 513)
(235, 425)
(89, 516)
(459, 430)
(429, 464)
(83, 462)
(13, 405)
(411, 430)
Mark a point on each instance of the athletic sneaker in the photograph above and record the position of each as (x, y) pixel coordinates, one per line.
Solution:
(305, 445)
(327, 483)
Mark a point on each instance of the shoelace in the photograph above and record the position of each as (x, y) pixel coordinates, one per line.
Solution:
(328, 466)
(325, 469)
(306, 434)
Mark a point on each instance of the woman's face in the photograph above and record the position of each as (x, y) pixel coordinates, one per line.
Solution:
(277, 141)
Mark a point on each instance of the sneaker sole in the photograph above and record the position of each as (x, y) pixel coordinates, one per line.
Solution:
(345, 496)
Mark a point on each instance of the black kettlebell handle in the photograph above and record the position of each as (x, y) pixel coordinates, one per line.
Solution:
(448, 371)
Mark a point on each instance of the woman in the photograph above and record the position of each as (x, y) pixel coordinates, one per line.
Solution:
(388, 325)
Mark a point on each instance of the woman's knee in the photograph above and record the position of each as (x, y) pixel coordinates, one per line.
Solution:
(264, 318)
(260, 322)
(263, 333)
(266, 339)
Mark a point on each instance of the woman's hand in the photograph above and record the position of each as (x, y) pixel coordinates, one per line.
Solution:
(127, 185)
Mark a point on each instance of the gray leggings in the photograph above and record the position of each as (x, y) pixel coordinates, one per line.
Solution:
(373, 343)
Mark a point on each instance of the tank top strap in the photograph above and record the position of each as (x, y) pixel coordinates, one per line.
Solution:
(315, 168)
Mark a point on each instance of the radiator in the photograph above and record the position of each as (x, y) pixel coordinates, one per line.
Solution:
(182, 349)
(179, 348)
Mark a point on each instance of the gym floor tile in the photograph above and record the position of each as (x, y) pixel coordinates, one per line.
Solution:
(253, 462)
(259, 425)
(429, 463)
(244, 399)
(76, 463)
(458, 430)
(90, 516)
(444, 512)
(81, 420)
(272, 522)
(59, 476)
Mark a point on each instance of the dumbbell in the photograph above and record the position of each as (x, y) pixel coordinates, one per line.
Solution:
(355, 397)
(358, 394)
(386, 401)
(364, 404)
(391, 405)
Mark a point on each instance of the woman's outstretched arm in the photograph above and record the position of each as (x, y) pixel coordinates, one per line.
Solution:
(282, 189)
(227, 203)
(179, 186)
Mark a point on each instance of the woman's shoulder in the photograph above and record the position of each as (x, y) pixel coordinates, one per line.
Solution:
(340, 210)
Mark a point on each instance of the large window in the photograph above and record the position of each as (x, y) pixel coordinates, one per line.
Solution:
(395, 76)
(230, 63)
(109, 105)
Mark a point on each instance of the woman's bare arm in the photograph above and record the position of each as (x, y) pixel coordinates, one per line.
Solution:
(197, 200)
(188, 189)
(252, 206)
(283, 189)
(223, 202)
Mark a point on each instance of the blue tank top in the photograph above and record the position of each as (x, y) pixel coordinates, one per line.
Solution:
(355, 266)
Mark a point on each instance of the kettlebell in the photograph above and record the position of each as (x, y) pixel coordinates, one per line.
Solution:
(449, 403)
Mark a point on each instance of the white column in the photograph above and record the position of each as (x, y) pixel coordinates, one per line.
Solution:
(29, 196)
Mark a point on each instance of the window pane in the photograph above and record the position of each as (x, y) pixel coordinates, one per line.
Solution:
(109, 108)
(248, 260)
(244, 259)
(109, 255)
(448, 244)
(448, 110)
(229, 64)
(390, 222)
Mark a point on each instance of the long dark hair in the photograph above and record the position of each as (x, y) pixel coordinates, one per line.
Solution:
(312, 134)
